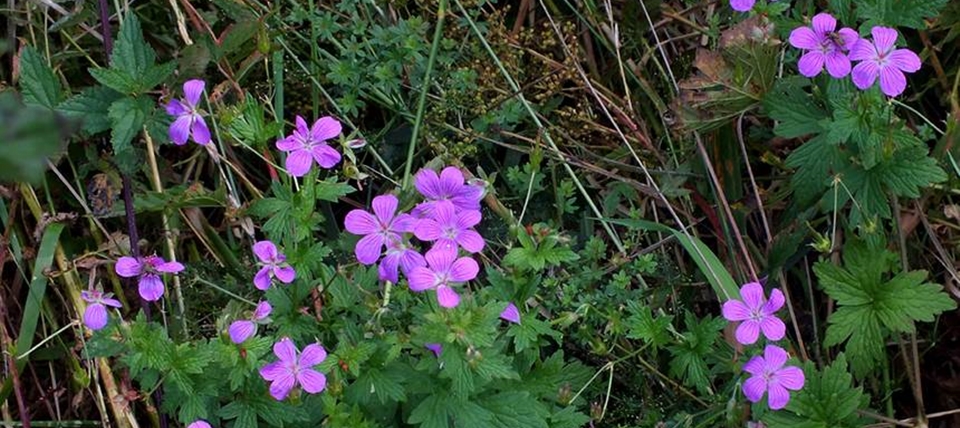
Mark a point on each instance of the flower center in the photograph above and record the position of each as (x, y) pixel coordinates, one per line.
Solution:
(756, 315)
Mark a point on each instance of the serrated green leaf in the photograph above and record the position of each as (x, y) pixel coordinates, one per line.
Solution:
(155, 75)
(515, 409)
(793, 109)
(815, 161)
(131, 54)
(39, 85)
(115, 79)
(91, 107)
(653, 331)
(898, 13)
(432, 412)
(331, 190)
(127, 116)
(827, 400)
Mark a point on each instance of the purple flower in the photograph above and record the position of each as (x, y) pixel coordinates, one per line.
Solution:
(148, 269)
(188, 121)
(446, 188)
(450, 228)
(880, 58)
(95, 317)
(770, 376)
(400, 256)
(381, 228)
(436, 348)
(308, 145)
(445, 269)
(274, 265)
(756, 314)
(511, 313)
(199, 424)
(294, 368)
(241, 330)
(824, 46)
(742, 5)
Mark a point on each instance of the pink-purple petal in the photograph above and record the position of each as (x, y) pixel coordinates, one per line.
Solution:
(128, 267)
(175, 108)
(95, 317)
(427, 183)
(753, 295)
(180, 130)
(863, 50)
(241, 330)
(884, 38)
(748, 332)
(285, 350)
(865, 74)
(192, 90)
(312, 381)
(384, 207)
(742, 5)
(262, 279)
(199, 424)
(468, 219)
(281, 387)
(848, 38)
(288, 144)
(312, 355)
(360, 222)
(791, 378)
(150, 287)
(892, 81)
(471, 241)
(774, 357)
(811, 63)
(735, 310)
(325, 128)
(421, 279)
(838, 65)
(441, 258)
(301, 126)
(299, 162)
(753, 388)
(451, 180)
(169, 267)
(428, 230)
(263, 310)
(111, 302)
(369, 248)
(511, 313)
(773, 328)
(777, 396)
(464, 269)
(755, 366)
(199, 130)
(389, 268)
(285, 274)
(775, 303)
(823, 23)
(274, 370)
(410, 260)
(266, 251)
(447, 297)
(325, 156)
(905, 60)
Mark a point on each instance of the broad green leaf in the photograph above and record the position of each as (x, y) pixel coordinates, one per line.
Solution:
(40, 86)
(115, 79)
(91, 107)
(794, 110)
(827, 400)
(127, 117)
(898, 13)
(131, 54)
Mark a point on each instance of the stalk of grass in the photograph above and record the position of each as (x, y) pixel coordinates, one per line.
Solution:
(546, 134)
(422, 100)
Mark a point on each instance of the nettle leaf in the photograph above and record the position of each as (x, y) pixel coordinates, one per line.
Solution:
(127, 117)
(132, 55)
(898, 13)
(91, 107)
(827, 400)
(869, 307)
(40, 86)
(115, 79)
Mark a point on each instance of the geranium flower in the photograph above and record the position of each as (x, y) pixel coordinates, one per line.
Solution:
(241, 330)
(382, 227)
(294, 368)
(756, 313)
(308, 145)
(95, 316)
(772, 378)
(436, 348)
(444, 270)
(199, 424)
(148, 269)
(273, 265)
(742, 5)
(400, 257)
(447, 188)
(188, 122)
(879, 58)
(511, 313)
(451, 228)
(824, 46)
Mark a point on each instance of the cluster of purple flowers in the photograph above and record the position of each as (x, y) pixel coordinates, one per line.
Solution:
(446, 217)
(147, 270)
(756, 314)
(826, 47)
(835, 49)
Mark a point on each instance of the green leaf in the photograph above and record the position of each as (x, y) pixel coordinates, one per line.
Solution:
(815, 161)
(91, 107)
(793, 109)
(40, 86)
(131, 54)
(115, 79)
(515, 409)
(898, 13)
(642, 325)
(689, 356)
(827, 400)
(155, 75)
(432, 412)
(331, 190)
(127, 117)
(869, 307)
